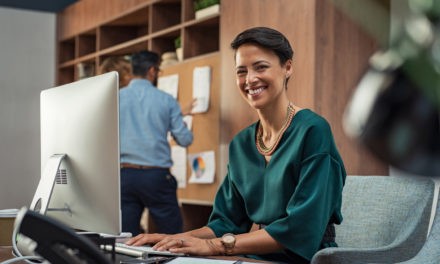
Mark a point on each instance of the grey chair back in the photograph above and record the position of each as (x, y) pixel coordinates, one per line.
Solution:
(430, 252)
(386, 220)
(377, 208)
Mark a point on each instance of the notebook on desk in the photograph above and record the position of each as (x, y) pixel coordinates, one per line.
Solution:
(140, 251)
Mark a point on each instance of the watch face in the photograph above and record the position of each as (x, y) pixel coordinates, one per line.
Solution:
(228, 239)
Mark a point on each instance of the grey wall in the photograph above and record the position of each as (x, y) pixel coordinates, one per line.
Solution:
(27, 66)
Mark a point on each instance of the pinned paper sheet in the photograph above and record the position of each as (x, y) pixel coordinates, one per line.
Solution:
(202, 167)
(201, 87)
(169, 84)
(178, 155)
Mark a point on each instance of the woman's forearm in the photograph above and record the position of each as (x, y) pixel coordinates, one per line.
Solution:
(203, 232)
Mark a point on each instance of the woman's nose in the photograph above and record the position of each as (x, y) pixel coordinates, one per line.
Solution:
(251, 77)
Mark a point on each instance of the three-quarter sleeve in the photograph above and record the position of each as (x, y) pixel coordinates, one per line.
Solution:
(315, 200)
(229, 214)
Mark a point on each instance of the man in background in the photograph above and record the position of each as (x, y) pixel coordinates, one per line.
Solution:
(147, 114)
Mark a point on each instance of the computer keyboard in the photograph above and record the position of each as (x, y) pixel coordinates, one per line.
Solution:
(140, 251)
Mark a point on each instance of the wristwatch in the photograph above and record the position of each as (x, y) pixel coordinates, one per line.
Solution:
(228, 241)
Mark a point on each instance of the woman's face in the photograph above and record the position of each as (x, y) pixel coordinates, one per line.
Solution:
(260, 77)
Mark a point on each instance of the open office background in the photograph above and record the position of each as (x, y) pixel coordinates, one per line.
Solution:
(28, 65)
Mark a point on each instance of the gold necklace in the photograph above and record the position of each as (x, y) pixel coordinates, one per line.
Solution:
(262, 148)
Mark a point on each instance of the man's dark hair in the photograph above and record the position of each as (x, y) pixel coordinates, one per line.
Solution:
(142, 61)
(267, 38)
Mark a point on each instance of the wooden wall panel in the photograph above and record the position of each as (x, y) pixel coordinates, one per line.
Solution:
(295, 20)
(331, 52)
(86, 14)
(343, 48)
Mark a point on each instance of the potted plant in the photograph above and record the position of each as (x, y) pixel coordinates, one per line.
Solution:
(178, 46)
(205, 8)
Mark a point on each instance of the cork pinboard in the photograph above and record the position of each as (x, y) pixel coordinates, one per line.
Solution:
(205, 126)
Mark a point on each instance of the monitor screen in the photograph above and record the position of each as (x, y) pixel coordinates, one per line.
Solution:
(79, 183)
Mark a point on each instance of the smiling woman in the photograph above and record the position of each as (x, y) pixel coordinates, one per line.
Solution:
(284, 173)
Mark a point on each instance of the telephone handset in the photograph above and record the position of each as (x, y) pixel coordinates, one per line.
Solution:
(56, 242)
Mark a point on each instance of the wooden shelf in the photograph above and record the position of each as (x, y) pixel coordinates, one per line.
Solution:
(86, 43)
(165, 14)
(127, 47)
(164, 42)
(198, 36)
(66, 75)
(66, 50)
(153, 25)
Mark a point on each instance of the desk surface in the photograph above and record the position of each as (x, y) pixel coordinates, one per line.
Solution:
(6, 253)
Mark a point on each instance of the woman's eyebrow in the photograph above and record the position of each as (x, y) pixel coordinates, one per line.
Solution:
(253, 64)
(259, 62)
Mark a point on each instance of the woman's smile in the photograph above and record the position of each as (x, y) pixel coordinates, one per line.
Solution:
(255, 91)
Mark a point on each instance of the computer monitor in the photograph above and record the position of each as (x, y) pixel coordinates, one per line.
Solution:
(79, 183)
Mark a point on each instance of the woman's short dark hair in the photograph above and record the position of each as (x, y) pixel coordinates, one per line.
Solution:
(142, 61)
(267, 38)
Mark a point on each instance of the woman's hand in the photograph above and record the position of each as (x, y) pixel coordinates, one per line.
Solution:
(190, 245)
(143, 239)
(201, 242)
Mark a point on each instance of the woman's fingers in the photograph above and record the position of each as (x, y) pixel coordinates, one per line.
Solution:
(143, 239)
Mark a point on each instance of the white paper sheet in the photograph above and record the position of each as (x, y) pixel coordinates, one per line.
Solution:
(169, 84)
(201, 88)
(202, 167)
(178, 155)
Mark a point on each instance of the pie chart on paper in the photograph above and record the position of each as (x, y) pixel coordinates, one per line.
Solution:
(199, 167)
(202, 167)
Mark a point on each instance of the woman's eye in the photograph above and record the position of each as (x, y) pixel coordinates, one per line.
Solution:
(261, 67)
(241, 72)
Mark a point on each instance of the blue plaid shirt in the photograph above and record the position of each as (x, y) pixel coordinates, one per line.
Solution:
(146, 115)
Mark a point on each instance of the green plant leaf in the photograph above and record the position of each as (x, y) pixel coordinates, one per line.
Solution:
(178, 42)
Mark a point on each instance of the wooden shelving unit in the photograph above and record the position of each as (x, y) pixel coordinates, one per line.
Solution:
(85, 40)
(153, 25)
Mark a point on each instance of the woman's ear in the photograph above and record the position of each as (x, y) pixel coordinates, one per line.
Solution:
(289, 68)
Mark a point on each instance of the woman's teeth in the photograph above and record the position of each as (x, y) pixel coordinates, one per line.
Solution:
(255, 91)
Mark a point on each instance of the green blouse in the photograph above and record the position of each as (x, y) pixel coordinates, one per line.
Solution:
(295, 196)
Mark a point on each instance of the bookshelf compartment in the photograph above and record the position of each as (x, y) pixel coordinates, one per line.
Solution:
(86, 69)
(114, 35)
(125, 28)
(165, 14)
(66, 50)
(164, 42)
(201, 38)
(66, 75)
(87, 43)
